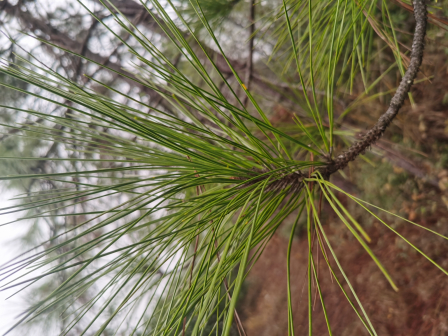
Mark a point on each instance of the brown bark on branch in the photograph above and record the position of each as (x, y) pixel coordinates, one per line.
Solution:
(295, 181)
(359, 147)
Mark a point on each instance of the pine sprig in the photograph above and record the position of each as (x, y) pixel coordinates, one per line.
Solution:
(172, 206)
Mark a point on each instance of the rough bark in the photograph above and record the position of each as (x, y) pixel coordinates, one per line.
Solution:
(359, 147)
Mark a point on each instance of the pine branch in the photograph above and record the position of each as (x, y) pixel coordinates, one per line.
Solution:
(295, 180)
(359, 147)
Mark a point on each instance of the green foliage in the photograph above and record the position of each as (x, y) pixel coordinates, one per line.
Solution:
(171, 201)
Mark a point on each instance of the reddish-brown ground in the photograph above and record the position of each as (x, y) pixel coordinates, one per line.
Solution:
(418, 308)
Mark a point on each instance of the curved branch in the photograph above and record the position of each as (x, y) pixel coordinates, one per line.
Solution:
(359, 147)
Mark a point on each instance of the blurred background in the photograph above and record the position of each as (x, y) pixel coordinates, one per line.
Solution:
(405, 173)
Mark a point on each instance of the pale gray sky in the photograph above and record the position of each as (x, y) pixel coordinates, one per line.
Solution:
(9, 248)
(9, 234)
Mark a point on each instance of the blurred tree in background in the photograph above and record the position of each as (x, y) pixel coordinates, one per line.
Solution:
(157, 148)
